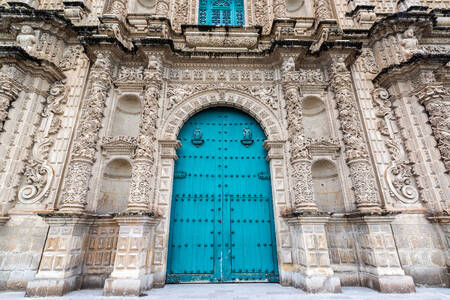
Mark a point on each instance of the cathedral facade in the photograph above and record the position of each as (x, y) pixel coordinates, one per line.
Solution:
(152, 142)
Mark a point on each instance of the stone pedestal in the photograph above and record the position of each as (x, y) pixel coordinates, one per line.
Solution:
(443, 220)
(62, 259)
(312, 269)
(380, 267)
(131, 275)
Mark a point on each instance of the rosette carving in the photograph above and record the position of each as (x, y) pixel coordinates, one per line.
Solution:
(355, 151)
(38, 172)
(85, 145)
(298, 143)
(399, 174)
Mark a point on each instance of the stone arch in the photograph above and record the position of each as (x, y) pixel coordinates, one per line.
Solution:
(262, 113)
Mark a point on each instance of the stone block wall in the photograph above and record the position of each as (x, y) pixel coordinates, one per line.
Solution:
(101, 252)
(22, 240)
(341, 245)
(421, 249)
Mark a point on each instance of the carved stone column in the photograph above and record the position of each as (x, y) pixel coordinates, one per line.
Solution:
(143, 171)
(357, 157)
(431, 96)
(85, 145)
(8, 93)
(322, 10)
(300, 157)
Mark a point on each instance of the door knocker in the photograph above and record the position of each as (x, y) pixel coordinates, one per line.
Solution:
(246, 137)
(197, 137)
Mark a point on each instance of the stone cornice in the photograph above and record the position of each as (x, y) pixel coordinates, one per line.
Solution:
(399, 70)
(37, 67)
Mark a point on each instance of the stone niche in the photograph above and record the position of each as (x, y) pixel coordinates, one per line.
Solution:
(327, 187)
(315, 118)
(126, 116)
(115, 187)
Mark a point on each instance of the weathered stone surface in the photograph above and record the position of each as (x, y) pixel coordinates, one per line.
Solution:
(355, 113)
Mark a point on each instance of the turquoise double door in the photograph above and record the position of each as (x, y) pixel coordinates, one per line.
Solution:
(222, 225)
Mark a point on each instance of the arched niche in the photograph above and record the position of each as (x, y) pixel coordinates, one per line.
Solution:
(315, 118)
(127, 115)
(327, 187)
(298, 8)
(115, 186)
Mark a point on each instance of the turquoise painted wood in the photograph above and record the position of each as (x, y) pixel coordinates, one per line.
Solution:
(221, 227)
(221, 12)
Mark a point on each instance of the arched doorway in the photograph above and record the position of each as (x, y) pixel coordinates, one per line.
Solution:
(221, 227)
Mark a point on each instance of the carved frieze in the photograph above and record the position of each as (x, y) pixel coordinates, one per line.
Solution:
(70, 57)
(38, 172)
(176, 93)
(9, 90)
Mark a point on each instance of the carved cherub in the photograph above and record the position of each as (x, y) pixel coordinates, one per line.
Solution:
(26, 38)
(409, 43)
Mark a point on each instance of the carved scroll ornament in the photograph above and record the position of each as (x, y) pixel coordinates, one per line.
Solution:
(399, 173)
(38, 172)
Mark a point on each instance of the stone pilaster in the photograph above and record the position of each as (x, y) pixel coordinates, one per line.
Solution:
(143, 174)
(380, 267)
(443, 221)
(302, 193)
(132, 266)
(63, 256)
(85, 144)
(322, 10)
(312, 267)
(431, 96)
(357, 158)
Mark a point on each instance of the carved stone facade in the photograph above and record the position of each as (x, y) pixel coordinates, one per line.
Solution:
(354, 100)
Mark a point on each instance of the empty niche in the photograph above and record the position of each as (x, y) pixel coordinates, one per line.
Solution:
(115, 187)
(127, 116)
(315, 118)
(297, 8)
(327, 188)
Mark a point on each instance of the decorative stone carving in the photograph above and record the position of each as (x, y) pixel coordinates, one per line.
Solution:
(176, 93)
(121, 145)
(355, 151)
(26, 38)
(180, 14)
(131, 74)
(38, 171)
(70, 57)
(322, 10)
(368, 63)
(117, 8)
(85, 145)
(298, 143)
(431, 95)
(143, 171)
(399, 174)
(9, 90)
(262, 15)
(408, 43)
(279, 9)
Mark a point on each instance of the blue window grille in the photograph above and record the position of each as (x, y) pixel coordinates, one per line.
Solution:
(221, 12)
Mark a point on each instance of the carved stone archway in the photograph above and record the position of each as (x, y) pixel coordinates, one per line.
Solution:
(262, 112)
(171, 125)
